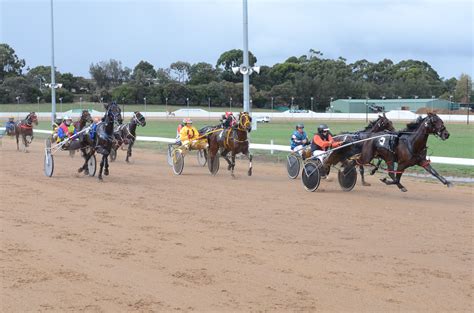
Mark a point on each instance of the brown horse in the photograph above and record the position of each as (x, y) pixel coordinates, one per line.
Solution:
(24, 128)
(382, 123)
(403, 150)
(233, 140)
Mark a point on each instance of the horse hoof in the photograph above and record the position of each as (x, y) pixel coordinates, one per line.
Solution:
(100, 178)
(79, 170)
(384, 180)
(449, 185)
(366, 184)
(250, 173)
(403, 189)
(106, 172)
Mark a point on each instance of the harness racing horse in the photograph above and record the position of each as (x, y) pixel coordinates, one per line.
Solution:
(234, 140)
(24, 128)
(382, 123)
(126, 133)
(102, 140)
(403, 150)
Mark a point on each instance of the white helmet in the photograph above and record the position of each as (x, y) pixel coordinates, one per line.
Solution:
(66, 117)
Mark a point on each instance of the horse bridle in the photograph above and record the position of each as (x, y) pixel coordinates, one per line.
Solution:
(137, 120)
(430, 123)
(243, 126)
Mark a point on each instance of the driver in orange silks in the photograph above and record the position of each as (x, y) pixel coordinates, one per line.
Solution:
(190, 138)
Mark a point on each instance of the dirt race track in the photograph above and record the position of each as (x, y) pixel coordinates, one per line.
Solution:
(145, 240)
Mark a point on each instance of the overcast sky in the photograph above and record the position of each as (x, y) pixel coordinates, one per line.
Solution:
(164, 31)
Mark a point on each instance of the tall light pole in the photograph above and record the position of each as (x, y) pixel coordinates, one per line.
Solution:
(366, 109)
(312, 101)
(18, 106)
(292, 99)
(53, 78)
(209, 104)
(166, 106)
(144, 100)
(187, 105)
(246, 59)
(272, 103)
(38, 99)
(80, 102)
(432, 103)
(61, 100)
(230, 105)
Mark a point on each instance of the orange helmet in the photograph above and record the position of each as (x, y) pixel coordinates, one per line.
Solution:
(227, 114)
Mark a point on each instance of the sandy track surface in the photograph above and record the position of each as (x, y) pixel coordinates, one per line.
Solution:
(145, 240)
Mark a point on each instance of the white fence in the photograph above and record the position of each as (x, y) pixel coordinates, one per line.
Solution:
(301, 115)
(272, 147)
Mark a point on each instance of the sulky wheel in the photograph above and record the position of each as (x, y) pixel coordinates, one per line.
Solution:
(178, 162)
(48, 164)
(347, 178)
(213, 165)
(310, 176)
(92, 165)
(202, 157)
(169, 156)
(293, 166)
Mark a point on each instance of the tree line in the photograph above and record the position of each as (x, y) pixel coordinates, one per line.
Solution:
(297, 80)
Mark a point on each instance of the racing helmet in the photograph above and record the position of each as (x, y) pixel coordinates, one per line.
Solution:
(300, 125)
(323, 127)
(67, 120)
(227, 114)
(188, 121)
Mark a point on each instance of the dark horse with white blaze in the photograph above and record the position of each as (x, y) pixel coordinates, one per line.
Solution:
(234, 140)
(24, 128)
(102, 139)
(405, 149)
(126, 133)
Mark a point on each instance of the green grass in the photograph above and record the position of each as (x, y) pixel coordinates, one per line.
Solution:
(46, 107)
(459, 145)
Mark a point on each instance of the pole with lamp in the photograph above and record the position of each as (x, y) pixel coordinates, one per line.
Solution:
(53, 68)
(61, 101)
(166, 106)
(230, 104)
(366, 109)
(432, 103)
(144, 100)
(18, 106)
(209, 104)
(80, 102)
(38, 99)
(187, 105)
(272, 104)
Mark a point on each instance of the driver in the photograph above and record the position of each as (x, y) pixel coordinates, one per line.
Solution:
(322, 140)
(228, 120)
(190, 137)
(66, 129)
(10, 125)
(299, 139)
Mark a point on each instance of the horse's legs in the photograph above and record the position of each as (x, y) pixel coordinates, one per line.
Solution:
(25, 143)
(361, 172)
(129, 150)
(106, 170)
(17, 140)
(101, 167)
(224, 153)
(249, 156)
(233, 164)
(86, 157)
(433, 172)
(376, 168)
(397, 182)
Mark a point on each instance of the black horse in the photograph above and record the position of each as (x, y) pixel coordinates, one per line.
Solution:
(234, 140)
(101, 139)
(24, 128)
(382, 123)
(126, 133)
(405, 149)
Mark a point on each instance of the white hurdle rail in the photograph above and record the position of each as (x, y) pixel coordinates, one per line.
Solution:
(271, 147)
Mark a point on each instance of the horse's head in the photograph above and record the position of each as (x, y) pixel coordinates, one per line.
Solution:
(383, 123)
(245, 122)
(139, 118)
(86, 116)
(113, 112)
(32, 118)
(435, 125)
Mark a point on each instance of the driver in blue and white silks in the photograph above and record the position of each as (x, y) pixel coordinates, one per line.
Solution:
(10, 126)
(299, 139)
